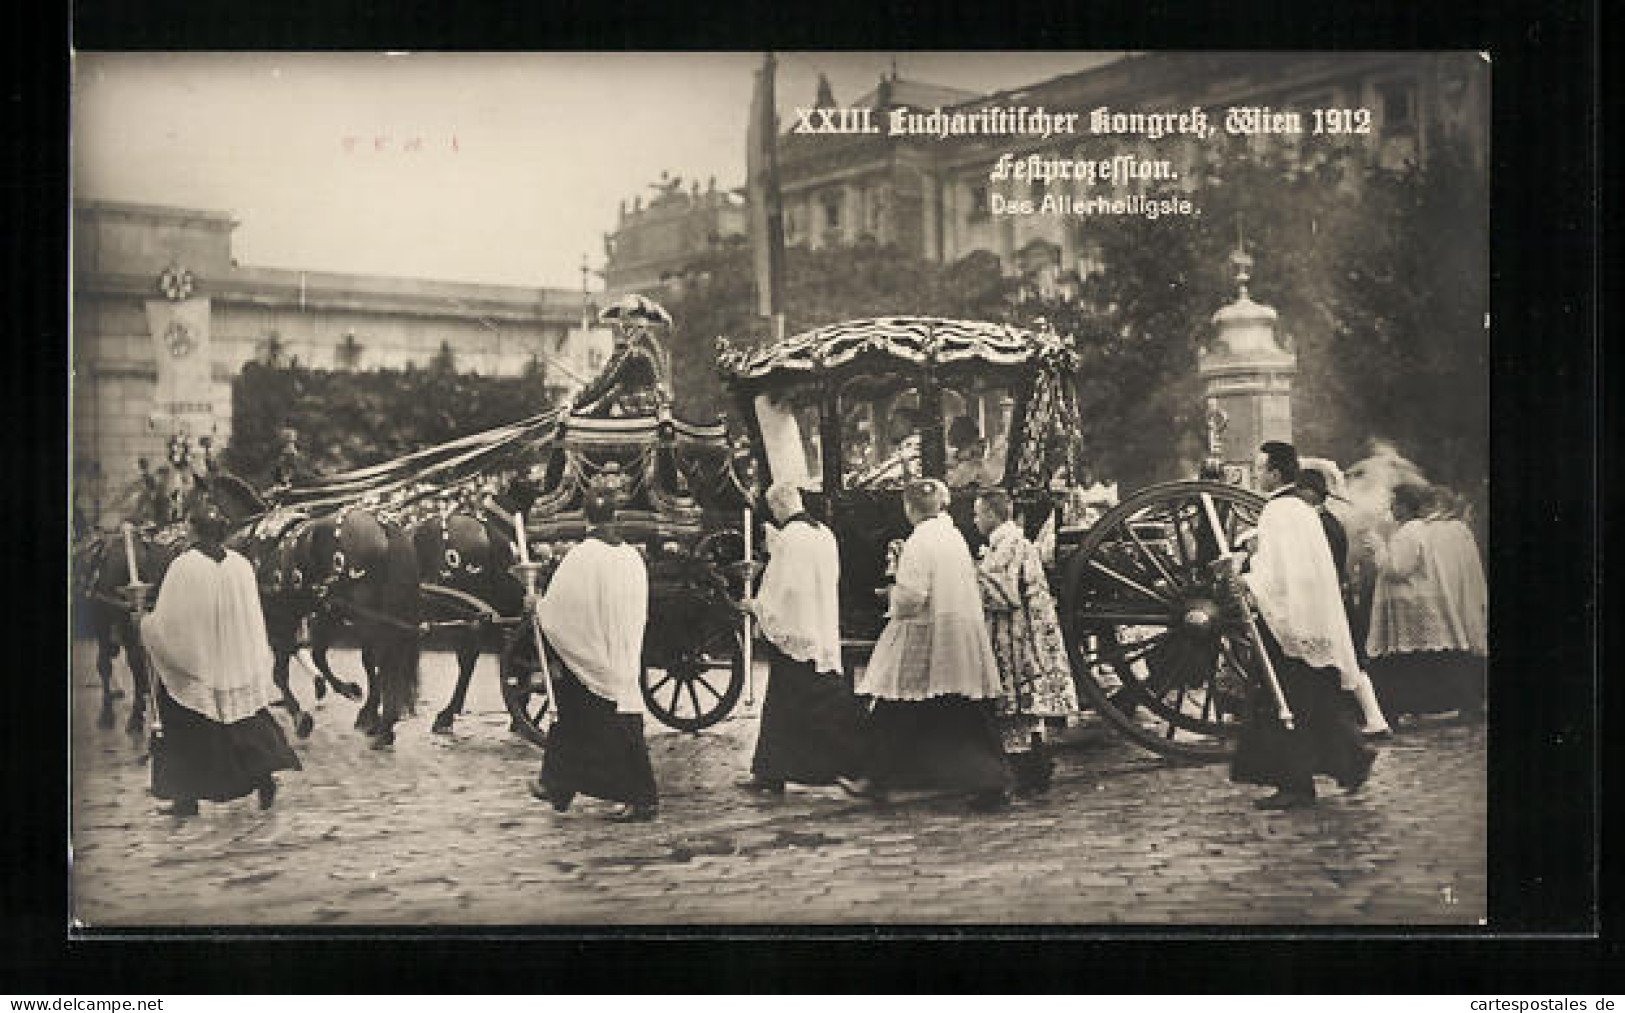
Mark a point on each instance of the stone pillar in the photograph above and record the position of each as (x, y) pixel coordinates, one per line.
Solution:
(1247, 382)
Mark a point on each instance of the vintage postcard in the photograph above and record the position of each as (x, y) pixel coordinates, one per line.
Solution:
(796, 488)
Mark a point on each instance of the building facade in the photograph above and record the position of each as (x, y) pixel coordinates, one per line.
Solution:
(933, 198)
(653, 244)
(164, 318)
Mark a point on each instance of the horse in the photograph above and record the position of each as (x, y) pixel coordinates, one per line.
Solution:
(348, 568)
(101, 571)
(464, 556)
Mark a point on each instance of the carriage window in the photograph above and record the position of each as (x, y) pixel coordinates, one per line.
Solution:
(880, 432)
(976, 420)
(790, 439)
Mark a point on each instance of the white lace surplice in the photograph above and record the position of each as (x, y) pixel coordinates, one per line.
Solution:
(798, 602)
(206, 638)
(936, 641)
(1294, 581)
(1454, 566)
(593, 616)
(1407, 605)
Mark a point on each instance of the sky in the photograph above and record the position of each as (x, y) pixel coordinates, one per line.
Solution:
(494, 168)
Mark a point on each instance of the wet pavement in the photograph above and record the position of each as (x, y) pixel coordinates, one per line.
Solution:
(442, 830)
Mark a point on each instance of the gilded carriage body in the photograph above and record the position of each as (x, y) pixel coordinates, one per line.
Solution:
(681, 506)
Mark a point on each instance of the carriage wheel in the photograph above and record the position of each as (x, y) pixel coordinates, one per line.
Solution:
(1141, 603)
(522, 689)
(698, 683)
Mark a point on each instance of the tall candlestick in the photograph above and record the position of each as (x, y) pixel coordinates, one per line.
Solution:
(519, 533)
(129, 553)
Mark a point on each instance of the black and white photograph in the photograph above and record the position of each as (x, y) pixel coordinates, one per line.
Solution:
(794, 488)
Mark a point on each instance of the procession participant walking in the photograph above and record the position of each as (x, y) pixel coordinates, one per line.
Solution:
(593, 619)
(933, 675)
(1035, 676)
(810, 724)
(1312, 489)
(1458, 571)
(1415, 648)
(1306, 635)
(206, 641)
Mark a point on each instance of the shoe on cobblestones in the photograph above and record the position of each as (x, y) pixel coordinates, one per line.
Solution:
(635, 814)
(1285, 800)
(861, 787)
(559, 802)
(760, 784)
(1361, 772)
(267, 792)
(989, 801)
(181, 809)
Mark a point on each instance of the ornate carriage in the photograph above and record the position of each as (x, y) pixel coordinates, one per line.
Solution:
(681, 508)
(852, 410)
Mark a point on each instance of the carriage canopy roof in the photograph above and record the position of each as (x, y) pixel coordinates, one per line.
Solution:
(891, 342)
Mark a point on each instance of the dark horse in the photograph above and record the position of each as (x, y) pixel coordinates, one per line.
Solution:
(101, 572)
(101, 569)
(345, 569)
(464, 558)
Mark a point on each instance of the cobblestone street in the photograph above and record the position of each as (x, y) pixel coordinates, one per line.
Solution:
(442, 830)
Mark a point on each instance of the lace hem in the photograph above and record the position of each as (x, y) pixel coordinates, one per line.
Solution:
(807, 650)
(1316, 652)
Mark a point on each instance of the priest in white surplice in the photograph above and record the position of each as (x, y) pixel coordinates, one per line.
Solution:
(933, 675)
(593, 618)
(810, 727)
(206, 641)
(1305, 630)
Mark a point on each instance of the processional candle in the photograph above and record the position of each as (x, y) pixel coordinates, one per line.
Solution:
(519, 532)
(129, 554)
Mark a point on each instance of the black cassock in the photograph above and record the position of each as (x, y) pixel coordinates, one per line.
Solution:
(811, 728)
(212, 761)
(592, 749)
(1325, 737)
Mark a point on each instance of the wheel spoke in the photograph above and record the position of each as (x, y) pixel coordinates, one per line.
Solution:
(659, 685)
(1186, 562)
(1156, 560)
(1128, 582)
(694, 696)
(1178, 708)
(1220, 532)
(676, 691)
(1156, 675)
(703, 681)
(1125, 617)
(1122, 650)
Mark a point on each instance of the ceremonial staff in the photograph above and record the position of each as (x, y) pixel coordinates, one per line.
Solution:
(746, 619)
(747, 575)
(1226, 555)
(135, 595)
(528, 571)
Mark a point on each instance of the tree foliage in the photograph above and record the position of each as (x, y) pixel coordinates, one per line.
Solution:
(1380, 280)
(352, 419)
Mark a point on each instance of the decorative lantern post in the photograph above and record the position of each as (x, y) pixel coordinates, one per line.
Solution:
(1247, 381)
